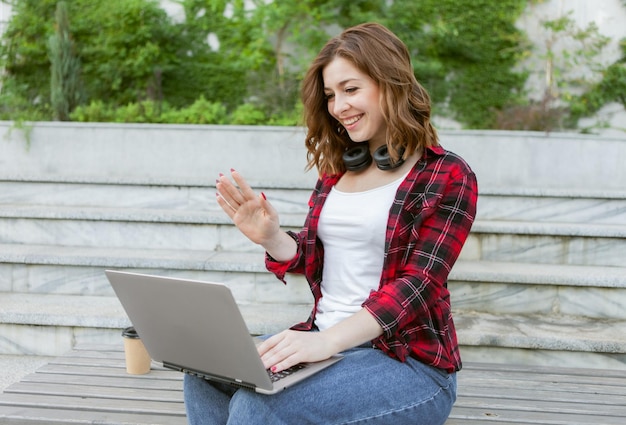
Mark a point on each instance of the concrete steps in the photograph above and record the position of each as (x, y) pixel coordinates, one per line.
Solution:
(496, 287)
(584, 243)
(541, 280)
(66, 290)
(553, 206)
(508, 204)
(45, 325)
(39, 279)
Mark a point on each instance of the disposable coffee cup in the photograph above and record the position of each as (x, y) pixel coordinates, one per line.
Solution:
(137, 358)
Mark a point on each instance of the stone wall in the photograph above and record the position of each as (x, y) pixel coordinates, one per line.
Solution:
(195, 155)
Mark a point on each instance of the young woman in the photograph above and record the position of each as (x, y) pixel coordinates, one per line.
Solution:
(387, 221)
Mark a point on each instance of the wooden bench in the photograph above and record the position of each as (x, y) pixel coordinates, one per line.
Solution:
(90, 385)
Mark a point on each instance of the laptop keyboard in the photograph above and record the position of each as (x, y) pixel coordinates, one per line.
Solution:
(280, 375)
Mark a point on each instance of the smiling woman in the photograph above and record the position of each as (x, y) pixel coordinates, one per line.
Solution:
(378, 73)
(352, 100)
(376, 249)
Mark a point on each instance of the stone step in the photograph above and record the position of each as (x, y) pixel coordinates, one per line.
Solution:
(125, 228)
(504, 204)
(41, 269)
(546, 289)
(21, 194)
(492, 287)
(552, 206)
(546, 243)
(46, 325)
(539, 340)
(50, 324)
(276, 156)
(492, 240)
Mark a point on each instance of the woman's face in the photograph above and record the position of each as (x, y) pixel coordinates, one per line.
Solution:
(354, 100)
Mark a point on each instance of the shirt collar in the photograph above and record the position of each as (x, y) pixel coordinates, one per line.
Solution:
(434, 150)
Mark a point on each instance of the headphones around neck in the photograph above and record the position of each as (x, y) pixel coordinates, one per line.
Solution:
(358, 158)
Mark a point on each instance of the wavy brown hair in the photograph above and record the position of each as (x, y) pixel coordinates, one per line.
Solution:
(405, 104)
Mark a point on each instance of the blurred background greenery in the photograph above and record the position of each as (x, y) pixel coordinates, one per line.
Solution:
(241, 61)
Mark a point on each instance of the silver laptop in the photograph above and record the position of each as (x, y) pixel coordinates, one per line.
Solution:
(196, 327)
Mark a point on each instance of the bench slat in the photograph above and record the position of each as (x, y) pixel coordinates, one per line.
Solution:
(469, 385)
(541, 370)
(93, 404)
(548, 378)
(90, 385)
(104, 381)
(462, 415)
(86, 370)
(89, 390)
(541, 406)
(529, 393)
(15, 415)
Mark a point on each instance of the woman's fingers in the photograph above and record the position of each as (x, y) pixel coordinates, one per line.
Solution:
(244, 187)
(251, 213)
(234, 196)
(228, 208)
(289, 348)
(229, 192)
(276, 352)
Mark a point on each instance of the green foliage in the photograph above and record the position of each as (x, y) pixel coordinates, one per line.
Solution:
(264, 47)
(65, 84)
(572, 70)
(96, 111)
(138, 112)
(248, 114)
(613, 85)
(24, 55)
(135, 112)
(14, 106)
(570, 56)
(241, 61)
(291, 117)
(464, 52)
(611, 88)
(125, 47)
(201, 111)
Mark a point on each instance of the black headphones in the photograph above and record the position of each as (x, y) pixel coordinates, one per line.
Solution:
(359, 158)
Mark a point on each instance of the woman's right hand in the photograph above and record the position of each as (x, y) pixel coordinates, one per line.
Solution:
(253, 215)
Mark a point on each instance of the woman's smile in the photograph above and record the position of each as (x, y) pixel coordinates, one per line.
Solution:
(354, 101)
(349, 123)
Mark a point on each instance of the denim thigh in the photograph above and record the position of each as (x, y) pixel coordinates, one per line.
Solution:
(366, 387)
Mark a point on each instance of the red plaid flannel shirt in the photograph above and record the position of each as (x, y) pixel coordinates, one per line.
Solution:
(428, 224)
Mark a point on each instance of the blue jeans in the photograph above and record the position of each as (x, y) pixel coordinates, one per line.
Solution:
(366, 387)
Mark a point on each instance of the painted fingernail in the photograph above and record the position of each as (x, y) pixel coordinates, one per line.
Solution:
(263, 195)
(274, 368)
(221, 175)
(232, 170)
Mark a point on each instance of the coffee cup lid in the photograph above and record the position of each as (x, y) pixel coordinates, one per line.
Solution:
(130, 332)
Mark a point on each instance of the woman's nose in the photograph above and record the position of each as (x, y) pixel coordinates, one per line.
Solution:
(339, 105)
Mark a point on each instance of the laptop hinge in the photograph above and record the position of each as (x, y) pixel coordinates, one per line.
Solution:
(210, 377)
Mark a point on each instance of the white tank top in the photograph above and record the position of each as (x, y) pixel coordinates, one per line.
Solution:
(352, 227)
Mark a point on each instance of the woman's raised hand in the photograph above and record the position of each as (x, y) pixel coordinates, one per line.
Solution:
(253, 215)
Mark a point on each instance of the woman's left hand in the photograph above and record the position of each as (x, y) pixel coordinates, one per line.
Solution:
(289, 348)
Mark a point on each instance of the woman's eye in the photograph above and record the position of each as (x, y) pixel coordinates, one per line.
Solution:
(351, 89)
(328, 96)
